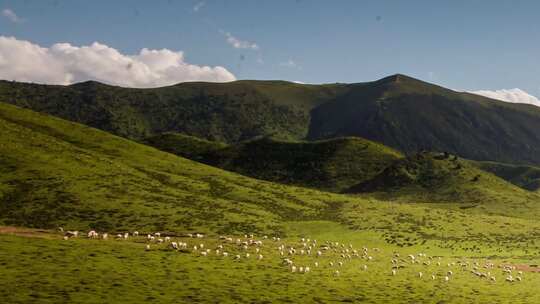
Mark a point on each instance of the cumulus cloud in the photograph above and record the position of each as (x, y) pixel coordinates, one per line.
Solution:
(239, 44)
(63, 63)
(11, 16)
(198, 6)
(510, 95)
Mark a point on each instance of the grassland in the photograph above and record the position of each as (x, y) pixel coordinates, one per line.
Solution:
(331, 165)
(58, 173)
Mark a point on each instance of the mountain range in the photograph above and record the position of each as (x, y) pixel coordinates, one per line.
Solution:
(398, 111)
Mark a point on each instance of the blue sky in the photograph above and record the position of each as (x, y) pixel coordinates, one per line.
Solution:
(465, 45)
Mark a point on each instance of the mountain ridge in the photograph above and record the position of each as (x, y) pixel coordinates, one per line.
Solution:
(398, 111)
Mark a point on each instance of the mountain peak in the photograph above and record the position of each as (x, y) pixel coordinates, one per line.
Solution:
(397, 78)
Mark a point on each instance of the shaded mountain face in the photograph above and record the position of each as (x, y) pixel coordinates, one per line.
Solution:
(410, 115)
(401, 112)
(332, 165)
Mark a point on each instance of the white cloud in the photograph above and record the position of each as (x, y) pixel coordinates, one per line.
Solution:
(510, 95)
(64, 63)
(11, 16)
(239, 44)
(198, 6)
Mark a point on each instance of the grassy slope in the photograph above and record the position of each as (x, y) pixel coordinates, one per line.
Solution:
(526, 177)
(446, 179)
(184, 145)
(332, 165)
(60, 173)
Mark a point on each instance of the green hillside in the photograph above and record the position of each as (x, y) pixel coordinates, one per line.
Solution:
(411, 115)
(226, 112)
(59, 173)
(450, 181)
(332, 165)
(184, 145)
(398, 111)
(526, 177)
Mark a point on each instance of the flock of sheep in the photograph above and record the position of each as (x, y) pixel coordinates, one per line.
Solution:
(306, 255)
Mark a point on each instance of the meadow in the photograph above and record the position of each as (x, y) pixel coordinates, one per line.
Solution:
(56, 173)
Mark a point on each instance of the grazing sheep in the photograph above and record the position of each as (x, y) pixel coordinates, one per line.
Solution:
(260, 257)
(174, 245)
(394, 272)
(136, 233)
(147, 247)
(225, 254)
(204, 253)
(66, 238)
(433, 277)
(316, 264)
(72, 233)
(105, 236)
(446, 278)
(336, 273)
(167, 239)
(126, 235)
(92, 234)
(364, 267)
(420, 274)
(450, 273)
(157, 234)
(307, 269)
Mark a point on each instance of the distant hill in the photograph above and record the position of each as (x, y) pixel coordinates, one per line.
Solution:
(526, 177)
(332, 165)
(398, 111)
(227, 112)
(411, 115)
(430, 177)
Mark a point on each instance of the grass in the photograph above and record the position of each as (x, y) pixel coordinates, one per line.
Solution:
(58, 173)
(50, 270)
(526, 177)
(332, 165)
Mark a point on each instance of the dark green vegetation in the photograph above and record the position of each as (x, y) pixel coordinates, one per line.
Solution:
(184, 145)
(217, 111)
(332, 165)
(398, 111)
(526, 177)
(445, 178)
